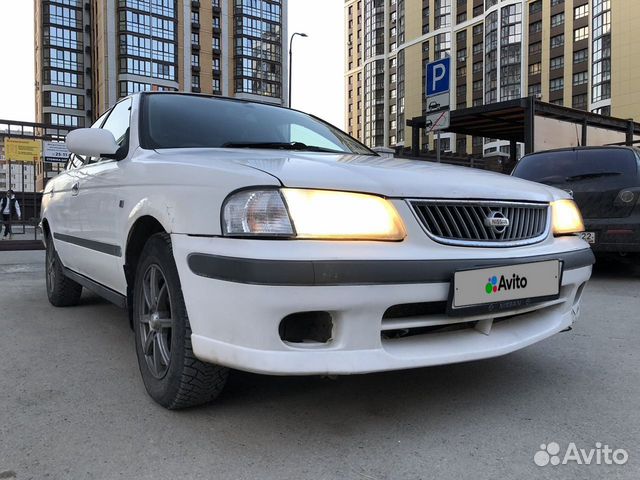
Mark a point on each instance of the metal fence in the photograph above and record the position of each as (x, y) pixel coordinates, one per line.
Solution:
(27, 180)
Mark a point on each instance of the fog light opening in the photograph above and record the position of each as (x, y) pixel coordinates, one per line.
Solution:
(306, 328)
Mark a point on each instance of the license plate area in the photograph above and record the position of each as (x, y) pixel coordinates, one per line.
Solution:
(589, 237)
(504, 287)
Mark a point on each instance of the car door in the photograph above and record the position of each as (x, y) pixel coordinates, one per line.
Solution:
(59, 214)
(95, 200)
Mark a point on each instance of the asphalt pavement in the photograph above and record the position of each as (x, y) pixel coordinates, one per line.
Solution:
(72, 404)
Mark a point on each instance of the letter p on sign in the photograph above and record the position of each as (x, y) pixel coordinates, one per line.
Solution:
(438, 76)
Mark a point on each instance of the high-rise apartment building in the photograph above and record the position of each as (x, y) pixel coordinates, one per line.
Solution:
(90, 53)
(576, 53)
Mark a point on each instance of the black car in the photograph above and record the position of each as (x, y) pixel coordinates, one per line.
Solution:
(604, 182)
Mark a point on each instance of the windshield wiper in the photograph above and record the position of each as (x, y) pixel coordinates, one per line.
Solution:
(585, 176)
(299, 146)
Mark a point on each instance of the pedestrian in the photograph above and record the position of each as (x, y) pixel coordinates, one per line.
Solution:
(9, 206)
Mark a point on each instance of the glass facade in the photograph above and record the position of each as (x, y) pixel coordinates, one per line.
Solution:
(510, 52)
(62, 61)
(147, 39)
(601, 69)
(258, 47)
(374, 125)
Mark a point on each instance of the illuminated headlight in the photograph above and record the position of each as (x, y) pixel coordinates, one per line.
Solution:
(566, 217)
(311, 214)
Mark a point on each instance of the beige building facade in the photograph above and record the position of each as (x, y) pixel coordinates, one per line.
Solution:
(576, 53)
(90, 53)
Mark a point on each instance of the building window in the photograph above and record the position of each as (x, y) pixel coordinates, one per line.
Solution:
(603, 110)
(64, 100)
(63, 79)
(580, 78)
(535, 68)
(535, 7)
(64, 120)
(63, 59)
(535, 89)
(581, 56)
(556, 62)
(579, 101)
(442, 13)
(580, 34)
(461, 17)
(216, 86)
(461, 71)
(478, 10)
(556, 84)
(535, 27)
(556, 2)
(557, 20)
(535, 48)
(477, 67)
(581, 11)
(442, 45)
(557, 41)
(477, 29)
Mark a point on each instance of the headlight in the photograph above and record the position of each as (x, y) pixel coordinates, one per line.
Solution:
(566, 217)
(312, 214)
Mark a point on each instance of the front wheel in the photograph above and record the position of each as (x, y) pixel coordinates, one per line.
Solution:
(171, 373)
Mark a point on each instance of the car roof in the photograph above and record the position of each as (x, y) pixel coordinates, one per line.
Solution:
(573, 149)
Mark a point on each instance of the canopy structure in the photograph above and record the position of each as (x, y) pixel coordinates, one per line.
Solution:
(514, 121)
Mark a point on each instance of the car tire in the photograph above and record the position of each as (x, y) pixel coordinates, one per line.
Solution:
(61, 290)
(171, 373)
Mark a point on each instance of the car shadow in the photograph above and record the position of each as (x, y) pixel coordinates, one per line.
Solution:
(612, 266)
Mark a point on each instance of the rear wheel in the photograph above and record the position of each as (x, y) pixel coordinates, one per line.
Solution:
(171, 373)
(61, 290)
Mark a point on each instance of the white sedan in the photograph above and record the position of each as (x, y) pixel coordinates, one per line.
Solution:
(247, 236)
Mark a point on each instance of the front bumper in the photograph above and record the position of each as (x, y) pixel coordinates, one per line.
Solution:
(235, 304)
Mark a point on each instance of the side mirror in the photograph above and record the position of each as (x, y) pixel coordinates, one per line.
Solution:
(92, 142)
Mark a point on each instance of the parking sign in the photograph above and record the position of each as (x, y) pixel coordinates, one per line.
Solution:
(438, 76)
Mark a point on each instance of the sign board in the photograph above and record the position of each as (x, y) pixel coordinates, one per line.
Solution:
(438, 92)
(438, 76)
(438, 120)
(438, 102)
(54, 151)
(21, 150)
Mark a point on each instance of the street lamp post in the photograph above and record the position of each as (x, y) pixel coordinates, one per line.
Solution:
(291, 62)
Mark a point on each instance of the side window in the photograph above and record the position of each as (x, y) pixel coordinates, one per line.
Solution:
(118, 122)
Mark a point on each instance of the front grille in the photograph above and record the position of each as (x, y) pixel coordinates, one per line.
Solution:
(468, 222)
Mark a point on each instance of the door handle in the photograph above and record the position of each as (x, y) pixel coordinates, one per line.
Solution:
(75, 189)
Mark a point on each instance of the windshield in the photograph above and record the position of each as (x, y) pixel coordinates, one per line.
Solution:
(611, 165)
(189, 121)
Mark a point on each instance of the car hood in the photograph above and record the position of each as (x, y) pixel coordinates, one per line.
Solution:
(391, 177)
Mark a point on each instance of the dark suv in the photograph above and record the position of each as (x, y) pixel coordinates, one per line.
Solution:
(604, 182)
